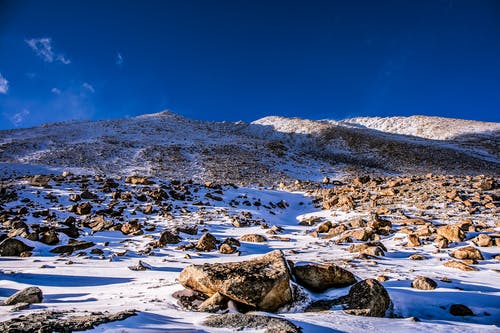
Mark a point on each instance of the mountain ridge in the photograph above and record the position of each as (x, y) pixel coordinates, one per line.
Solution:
(269, 150)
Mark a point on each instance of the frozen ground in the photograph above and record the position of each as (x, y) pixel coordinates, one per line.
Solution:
(103, 282)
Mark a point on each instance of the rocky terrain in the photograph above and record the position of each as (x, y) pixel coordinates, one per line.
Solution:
(282, 225)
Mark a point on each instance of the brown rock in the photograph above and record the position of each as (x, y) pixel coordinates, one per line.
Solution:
(459, 265)
(263, 282)
(423, 283)
(253, 238)
(324, 227)
(413, 240)
(483, 240)
(207, 243)
(83, 208)
(319, 278)
(452, 233)
(214, 303)
(49, 237)
(468, 252)
(227, 249)
(441, 242)
(131, 227)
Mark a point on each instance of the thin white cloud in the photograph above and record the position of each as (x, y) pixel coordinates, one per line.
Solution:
(43, 48)
(55, 91)
(119, 59)
(88, 86)
(4, 85)
(18, 118)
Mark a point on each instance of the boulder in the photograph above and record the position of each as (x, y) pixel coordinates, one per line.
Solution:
(319, 278)
(468, 252)
(227, 249)
(83, 208)
(214, 303)
(262, 283)
(131, 227)
(13, 248)
(253, 238)
(207, 242)
(459, 265)
(49, 237)
(238, 321)
(368, 298)
(423, 283)
(28, 295)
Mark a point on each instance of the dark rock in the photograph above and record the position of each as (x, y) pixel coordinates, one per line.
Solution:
(49, 237)
(168, 237)
(460, 310)
(319, 278)
(28, 295)
(13, 248)
(73, 246)
(238, 321)
(368, 298)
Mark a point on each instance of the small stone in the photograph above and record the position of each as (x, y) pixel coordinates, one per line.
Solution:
(207, 243)
(253, 238)
(423, 283)
(413, 240)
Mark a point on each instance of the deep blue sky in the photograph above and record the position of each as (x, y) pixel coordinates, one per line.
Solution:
(232, 60)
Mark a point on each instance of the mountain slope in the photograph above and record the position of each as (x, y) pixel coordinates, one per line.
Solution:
(267, 151)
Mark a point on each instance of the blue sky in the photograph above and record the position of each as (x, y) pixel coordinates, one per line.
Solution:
(242, 60)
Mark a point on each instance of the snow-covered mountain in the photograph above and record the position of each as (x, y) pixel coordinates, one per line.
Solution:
(268, 151)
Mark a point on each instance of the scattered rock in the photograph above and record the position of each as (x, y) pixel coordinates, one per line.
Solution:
(452, 233)
(238, 321)
(28, 295)
(460, 310)
(368, 298)
(262, 283)
(83, 208)
(131, 227)
(168, 237)
(253, 238)
(483, 240)
(424, 283)
(413, 240)
(214, 303)
(207, 243)
(459, 265)
(468, 252)
(227, 249)
(49, 237)
(319, 278)
(72, 246)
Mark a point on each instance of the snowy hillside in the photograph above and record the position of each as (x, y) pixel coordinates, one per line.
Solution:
(267, 151)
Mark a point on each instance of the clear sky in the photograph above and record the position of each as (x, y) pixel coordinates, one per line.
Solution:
(242, 60)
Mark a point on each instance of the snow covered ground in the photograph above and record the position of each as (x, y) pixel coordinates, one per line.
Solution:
(103, 281)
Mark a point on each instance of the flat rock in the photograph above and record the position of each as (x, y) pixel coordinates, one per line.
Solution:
(253, 238)
(238, 321)
(262, 283)
(73, 246)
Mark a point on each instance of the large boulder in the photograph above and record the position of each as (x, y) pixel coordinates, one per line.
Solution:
(368, 298)
(262, 283)
(319, 278)
(13, 247)
(28, 295)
